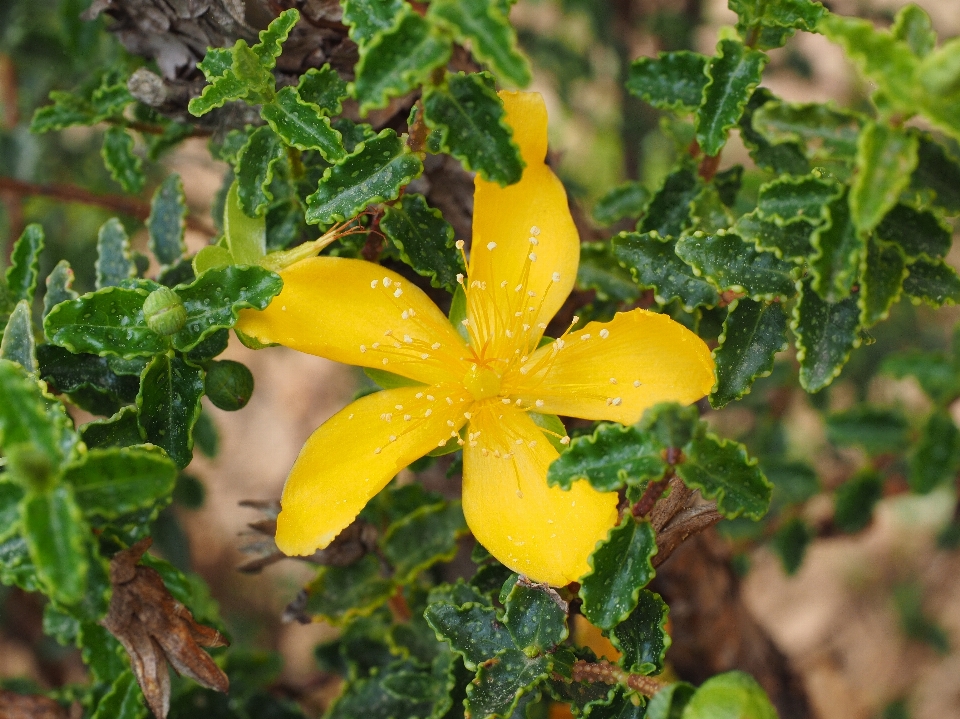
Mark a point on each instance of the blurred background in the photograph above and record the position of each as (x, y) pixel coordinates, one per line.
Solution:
(869, 624)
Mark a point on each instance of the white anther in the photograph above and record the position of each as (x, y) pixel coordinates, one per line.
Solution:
(542, 325)
(503, 284)
(491, 245)
(484, 451)
(559, 344)
(435, 346)
(506, 400)
(441, 443)
(532, 443)
(450, 423)
(519, 442)
(375, 345)
(459, 244)
(386, 416)
(466, 322)
(467, 415)
(385, 360)
(449, 401)
(604, 333)
(425, 356)
(531, 293)
(564, 440)
(392, 438)
(535, 231)
(576, 318)
(539, 403)
(616, 401)
(533, 241)
(556, 276)
(411, 312)
(460, 278)
(377, 450)
(509, 333)
(404, 314)
(428, 413)
(517, 402)
(613, 380)
(406, 338)
(518, 288)
(418, 395)
(398, 292)
(532, 256)
(373, 285)
(387, 282)
(399, 406)
(407, 417)
(585, 337)
(430, 397)
(363, 348)
(636, 383)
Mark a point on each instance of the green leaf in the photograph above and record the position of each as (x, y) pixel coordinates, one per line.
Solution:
(886, 156)
(882, 270)
(375, 172)
(123, 699)
(492, 38)
(913, 26)
(213, 301)
(125, 167)
(792, 198)
(255, 169)
(877, 430)
(730, 696)
(221, 90)
(29, 417)
(398, 60)
(626, 200)
(216, 63)
(424, 239)
(423, 538)
(600, 271)
(788, 241)
(855, 499)
(824, 132)
(106, 322)
(826, 333)
(472, 630)
(502, 681)
(11, 494)
(302, 125)
(731, 264)
(56, 536)
(936, 457)
(780, 158)
(59, 287)
(669, 702)
(536, 617)
(916, 232)
(323, 88)
(120, 430)
(642, 638)
(116, 481)
(273, 37)
(245, 236)
(24, 266)
(671, 81)
(167, 221)
(620, 567)
(168, 405)
(67, 110)
(791, 542)
(69, 373)
(609, 458)
(17, 343)
(654, 263)
(338, 594)
(668, 213)
(369, 18)
(753, 334)
(937, 171)
(472, 127)
(934, 372)
(839, 249)
(933, 282)
(722, 469)
(114, 263)
(733, 75)
(671, 424)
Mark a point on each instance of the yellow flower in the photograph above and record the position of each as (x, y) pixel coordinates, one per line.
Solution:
(523, 265)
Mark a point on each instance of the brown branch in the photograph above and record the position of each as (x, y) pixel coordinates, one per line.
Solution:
(71, 193)
(148, 128)
(607, 673)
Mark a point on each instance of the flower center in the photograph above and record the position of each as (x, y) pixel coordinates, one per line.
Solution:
(482, 382)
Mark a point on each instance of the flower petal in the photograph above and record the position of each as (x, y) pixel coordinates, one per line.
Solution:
(504, 221)
(360, 313)
(615, 370)
(543, 532)
(355, 454)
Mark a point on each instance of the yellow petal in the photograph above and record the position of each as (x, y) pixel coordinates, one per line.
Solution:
(355, 454)
(359, 313)
(504, 220)
(615, 370)
(543, 532)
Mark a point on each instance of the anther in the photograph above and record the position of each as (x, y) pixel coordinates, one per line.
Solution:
(585, 337)
(532, 256)
(430, 397)
(441, 443)
(425, 356)
(613, 380)
(373, 285)
(564, 440)
(407, 417)
(363, 348)
(616, 401)
(449, 422)
(506, 400)
(406, 338)
(418, 395)
(539, 403)
(533, 241)
(535, 231)
(387, 282)
(556, 276)
(392, 438)
(604, 333)
(435, 346)
(491, 245)
(375, 345)
(377, 450)
(636, 383)
(428, 413)
(460, 278)
(398, 292)
(467, 415)
(385, 360)
(503, 284)
(399, 406)
(519, 442)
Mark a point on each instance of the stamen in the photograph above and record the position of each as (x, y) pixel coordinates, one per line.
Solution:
(564, 440)
(428, 413)
(636, 383)
(385, 360)
(604, 333)
(387, 282)
(392, 438)
(377, 450)
(419, 395)
(556, 276)
(535, 231)
(491, 245)
(373, 285)
(539, 403)
(532, 256)
(363, 348)
(613, 380)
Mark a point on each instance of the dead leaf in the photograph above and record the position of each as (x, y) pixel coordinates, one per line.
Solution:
(29, 706)
(155, 629)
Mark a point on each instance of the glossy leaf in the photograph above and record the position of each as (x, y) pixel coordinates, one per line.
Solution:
(116, 481)
(535, 618)
(24, 266)
(273, 37)
(886, 157)
(769, 24)
(731, 264)
(934, 372)
(323, 88)
(492, 38)
(823, 131)
(424, 239)
(30, 417)
(826, 333)
(855, 499)
(609, 458)
(245, 236)
(723, 470)
(626, 200)
(670, 81)
(788, 241)
(106, 322)
(876, 430)
(398, 60)
(123, 700)
(17, 343)
(375, 172)
(782, 157)
(368, 18)
(733, 695)
(916, 232)
(213, 301)
(620, 568)
(125, 167)
(839, 247)
(59, 286)
(56, 536)
(642, 638)
(423, 538)
(938, 171)
(936, 457)
(932, 281)
(668, 213)
(753, 334)
(167, 221)
(255, 170)
(168, 405)
(654, 263)
(470, 119)
(120, 430)
(302, 125)
(114, 262)
(599, 270)
(669, 702)
(69, 373)
(913, 26)
(338, 594)
(882, 270)
(502, 682)
(733, 74)
(791, 198)
(221, 90)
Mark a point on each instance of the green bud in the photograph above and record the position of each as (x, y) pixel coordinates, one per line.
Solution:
(229, 385)
(164, 311)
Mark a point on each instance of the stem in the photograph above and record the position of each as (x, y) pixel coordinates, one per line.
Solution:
(651, 494)
(148, 128)
(607, 673)
(709, 166)
(71, 193)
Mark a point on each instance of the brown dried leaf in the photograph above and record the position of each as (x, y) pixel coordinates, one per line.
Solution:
(155, 629)
(29, 706)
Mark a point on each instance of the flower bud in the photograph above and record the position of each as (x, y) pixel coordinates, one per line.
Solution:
(164, 311)
(229, 385)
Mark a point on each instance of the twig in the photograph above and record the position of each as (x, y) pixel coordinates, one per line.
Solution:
(71, 193)
(607, 673)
